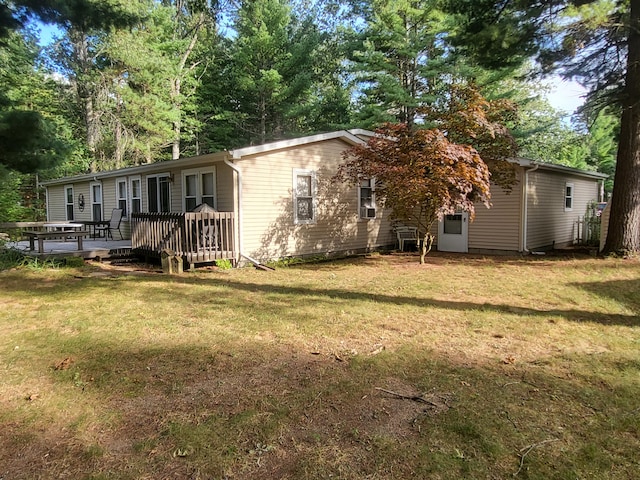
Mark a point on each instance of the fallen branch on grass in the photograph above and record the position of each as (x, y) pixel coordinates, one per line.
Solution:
(415, 398)
(528, 448)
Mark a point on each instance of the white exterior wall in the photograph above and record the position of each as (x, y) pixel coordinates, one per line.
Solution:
(548, 222)
(268, 227)
(498, 228)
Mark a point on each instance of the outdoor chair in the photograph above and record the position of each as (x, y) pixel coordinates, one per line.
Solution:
(209, 236)
(404, 234)
(207, 229)
(113, 224)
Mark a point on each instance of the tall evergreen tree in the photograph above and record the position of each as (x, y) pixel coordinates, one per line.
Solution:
(28, 140)
(595, 41)
(273, 67)
(401, 62)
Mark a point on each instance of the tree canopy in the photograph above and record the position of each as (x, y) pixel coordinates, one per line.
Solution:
(126, 83)
(594, 41)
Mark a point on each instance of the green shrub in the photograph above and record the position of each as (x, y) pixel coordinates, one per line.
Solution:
(224, 264)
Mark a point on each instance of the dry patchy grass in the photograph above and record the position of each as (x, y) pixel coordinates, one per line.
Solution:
(525, 367)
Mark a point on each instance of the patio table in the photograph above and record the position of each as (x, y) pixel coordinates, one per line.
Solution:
(91, 225)
(40, 236)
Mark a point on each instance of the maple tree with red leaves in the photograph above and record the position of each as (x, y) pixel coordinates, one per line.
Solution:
(423, 174)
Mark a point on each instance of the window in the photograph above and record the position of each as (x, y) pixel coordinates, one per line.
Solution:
(158, 193)
(136, 195)
(453, 224)
(68, 200)
(121, 195)
(96, 202)
(367, 204)
(304, 192)
(568, 197)
(199, 186)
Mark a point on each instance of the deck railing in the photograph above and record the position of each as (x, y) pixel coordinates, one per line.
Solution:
(198, 237)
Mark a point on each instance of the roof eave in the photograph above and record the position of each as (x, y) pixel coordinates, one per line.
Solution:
(344, 135)
(527, 163)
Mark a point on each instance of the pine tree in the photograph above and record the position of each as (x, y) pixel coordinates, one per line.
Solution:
(594, 41)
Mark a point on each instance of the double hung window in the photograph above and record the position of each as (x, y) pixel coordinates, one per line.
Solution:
(568, 197)
(96, 202)
(367, 198)
(199, 186)
(68, 201)
(304, 196)
(121, 196)
(136, 194)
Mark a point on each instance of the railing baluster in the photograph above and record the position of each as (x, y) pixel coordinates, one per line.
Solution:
(196, 236)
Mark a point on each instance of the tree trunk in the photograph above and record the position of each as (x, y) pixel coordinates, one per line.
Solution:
(623, 236)
(427, 243)
(86, 92)
(176, 87)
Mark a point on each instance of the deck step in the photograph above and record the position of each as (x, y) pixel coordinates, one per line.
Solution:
(122, 252)
(122, 255)
(122, 261)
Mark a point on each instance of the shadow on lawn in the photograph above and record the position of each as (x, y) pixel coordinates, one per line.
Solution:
(199, 411)
(315, 294)
(626, 292)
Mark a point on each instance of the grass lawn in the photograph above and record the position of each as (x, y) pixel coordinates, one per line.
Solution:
(370, 368)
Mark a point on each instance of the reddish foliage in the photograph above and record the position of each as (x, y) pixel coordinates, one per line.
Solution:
(424, 174)
(419, 174)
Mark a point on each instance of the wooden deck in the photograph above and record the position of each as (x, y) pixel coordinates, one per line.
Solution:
(92, 248)
(197, 237)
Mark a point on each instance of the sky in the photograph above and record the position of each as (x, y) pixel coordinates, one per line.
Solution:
(567, 96)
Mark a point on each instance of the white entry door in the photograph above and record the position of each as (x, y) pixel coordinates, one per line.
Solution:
(453, 233)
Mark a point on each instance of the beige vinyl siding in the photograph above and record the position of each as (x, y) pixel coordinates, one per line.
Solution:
(498, 228)
(269, 230)
(84, 189)
(108, 197)
(225, 188)
(548, 222)
(56, 205)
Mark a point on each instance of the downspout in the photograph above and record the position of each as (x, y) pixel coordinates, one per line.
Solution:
(525, 212)
(235, 168)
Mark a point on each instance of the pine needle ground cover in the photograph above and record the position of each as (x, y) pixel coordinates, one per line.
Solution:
(371, 368)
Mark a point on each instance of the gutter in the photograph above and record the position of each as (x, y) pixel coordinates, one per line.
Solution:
(236, 169)
(525, 201)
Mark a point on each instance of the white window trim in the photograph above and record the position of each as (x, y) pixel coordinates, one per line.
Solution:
(91, 185)
(159, 175)
(66, 203)
(127, 209)
(303, 172)
(373, 200)
(199, 172)
(572, 196)
(130, 193)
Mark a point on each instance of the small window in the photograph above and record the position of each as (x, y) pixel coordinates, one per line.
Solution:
(121, 195)
(136, 195)
(568, 197)
(367, 204)
(453, 224)
(199, 186)
(96, 202)
(304, 193)
(68, 200)
(159, 193)
(190, 192)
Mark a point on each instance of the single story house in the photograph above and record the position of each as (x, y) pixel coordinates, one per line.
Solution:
(280, 199)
